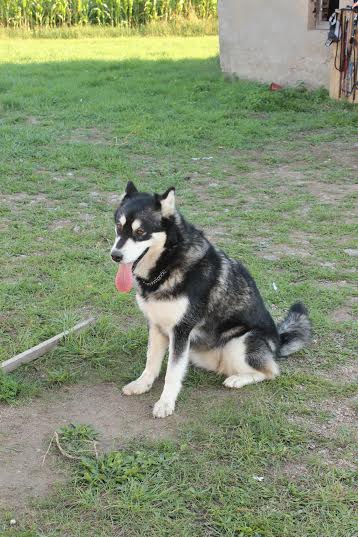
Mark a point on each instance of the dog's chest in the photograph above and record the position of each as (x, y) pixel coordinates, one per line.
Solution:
(164, 313)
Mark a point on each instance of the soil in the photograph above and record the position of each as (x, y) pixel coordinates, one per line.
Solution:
(90, 136)
(60, 224)
(19, 200)
(331, 193)
(342, 373)
(341, 413)
(33, 120)
(26, 430)
(342, 314)
(276, 251)
(327, 284)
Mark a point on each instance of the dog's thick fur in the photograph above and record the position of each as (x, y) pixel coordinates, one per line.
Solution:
(198, 302)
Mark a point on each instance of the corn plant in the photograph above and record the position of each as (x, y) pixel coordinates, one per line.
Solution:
(57, 13)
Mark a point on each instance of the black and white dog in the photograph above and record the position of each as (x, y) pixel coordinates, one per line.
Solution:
(198, 302)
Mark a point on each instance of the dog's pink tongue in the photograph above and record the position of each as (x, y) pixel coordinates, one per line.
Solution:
(124, 278)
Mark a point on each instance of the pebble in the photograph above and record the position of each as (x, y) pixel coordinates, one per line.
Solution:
(351, 252)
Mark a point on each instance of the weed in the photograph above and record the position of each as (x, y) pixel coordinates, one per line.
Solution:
(15, 386)
(59, 376)
(77, 440)
(9, 388)
(116, 468)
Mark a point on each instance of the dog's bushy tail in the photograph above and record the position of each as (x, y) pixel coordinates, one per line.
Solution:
(295, 330)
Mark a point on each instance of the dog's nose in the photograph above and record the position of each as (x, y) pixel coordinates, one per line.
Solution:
(117, 257)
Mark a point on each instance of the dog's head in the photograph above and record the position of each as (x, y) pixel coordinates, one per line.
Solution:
(142, 223)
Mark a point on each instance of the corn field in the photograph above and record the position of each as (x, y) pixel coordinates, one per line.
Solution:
(131, 13)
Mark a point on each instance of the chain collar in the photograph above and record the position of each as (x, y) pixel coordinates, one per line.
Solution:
(153, 282)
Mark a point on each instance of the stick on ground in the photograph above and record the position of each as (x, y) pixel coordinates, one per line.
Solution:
(42, 348)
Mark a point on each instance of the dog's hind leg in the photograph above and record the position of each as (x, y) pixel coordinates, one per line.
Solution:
(238, 381)
(248, 359)
(157, 346)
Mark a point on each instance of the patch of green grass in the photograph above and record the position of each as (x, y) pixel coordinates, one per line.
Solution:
(9, 388)
(60, 376)
(117, 468)
(12, 388)
(76, 440)
(78, 119)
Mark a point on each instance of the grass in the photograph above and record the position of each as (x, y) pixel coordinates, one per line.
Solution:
(77, 440)
(178, 26)
(78, 119)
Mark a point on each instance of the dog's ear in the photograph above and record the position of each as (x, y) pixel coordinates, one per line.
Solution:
(167, 202)
(130, 189)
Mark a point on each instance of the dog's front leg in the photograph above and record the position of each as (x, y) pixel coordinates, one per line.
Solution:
(177, 364)
(157, 346)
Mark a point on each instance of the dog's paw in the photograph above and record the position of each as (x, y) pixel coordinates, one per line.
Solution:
(137, 387)
(163, 408)
(235, 381)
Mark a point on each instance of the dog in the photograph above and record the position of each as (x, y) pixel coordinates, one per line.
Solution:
(199, 303)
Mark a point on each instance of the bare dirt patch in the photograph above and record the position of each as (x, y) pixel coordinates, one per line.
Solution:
(334, 458)
(301, 237)
(288, 175)
(328, 151)
(5, 224)
(295, 470)
(301, 246)
(113, 198)
(205, 190)
(25, 432)
(60, 224)
(328, 264)
(22, 198)
(33, 120)
(343, 373)
(216, 233)
(341, 414)
(327, 284)
(338, 152)
(331, 192)
(91, 135)
(100, 196)
(86, 217)
(344, 313)
(277, 251)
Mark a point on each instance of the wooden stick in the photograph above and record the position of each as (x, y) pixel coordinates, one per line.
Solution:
(42, 348)
(62, 451)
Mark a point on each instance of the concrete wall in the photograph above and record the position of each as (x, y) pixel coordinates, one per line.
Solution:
(270, 41)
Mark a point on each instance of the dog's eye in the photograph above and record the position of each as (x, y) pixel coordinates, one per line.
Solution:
(119, 228)
(140, 232)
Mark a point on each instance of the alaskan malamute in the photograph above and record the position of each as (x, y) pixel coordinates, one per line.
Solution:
(198, 302)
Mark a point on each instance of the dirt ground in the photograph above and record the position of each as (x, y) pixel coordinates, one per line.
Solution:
(26, 430)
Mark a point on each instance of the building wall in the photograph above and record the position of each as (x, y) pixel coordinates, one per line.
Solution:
(270, 41)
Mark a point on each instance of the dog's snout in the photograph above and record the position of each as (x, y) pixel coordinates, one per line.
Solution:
(117, 257)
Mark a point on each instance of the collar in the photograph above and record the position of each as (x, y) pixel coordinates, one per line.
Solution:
(152, 282)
